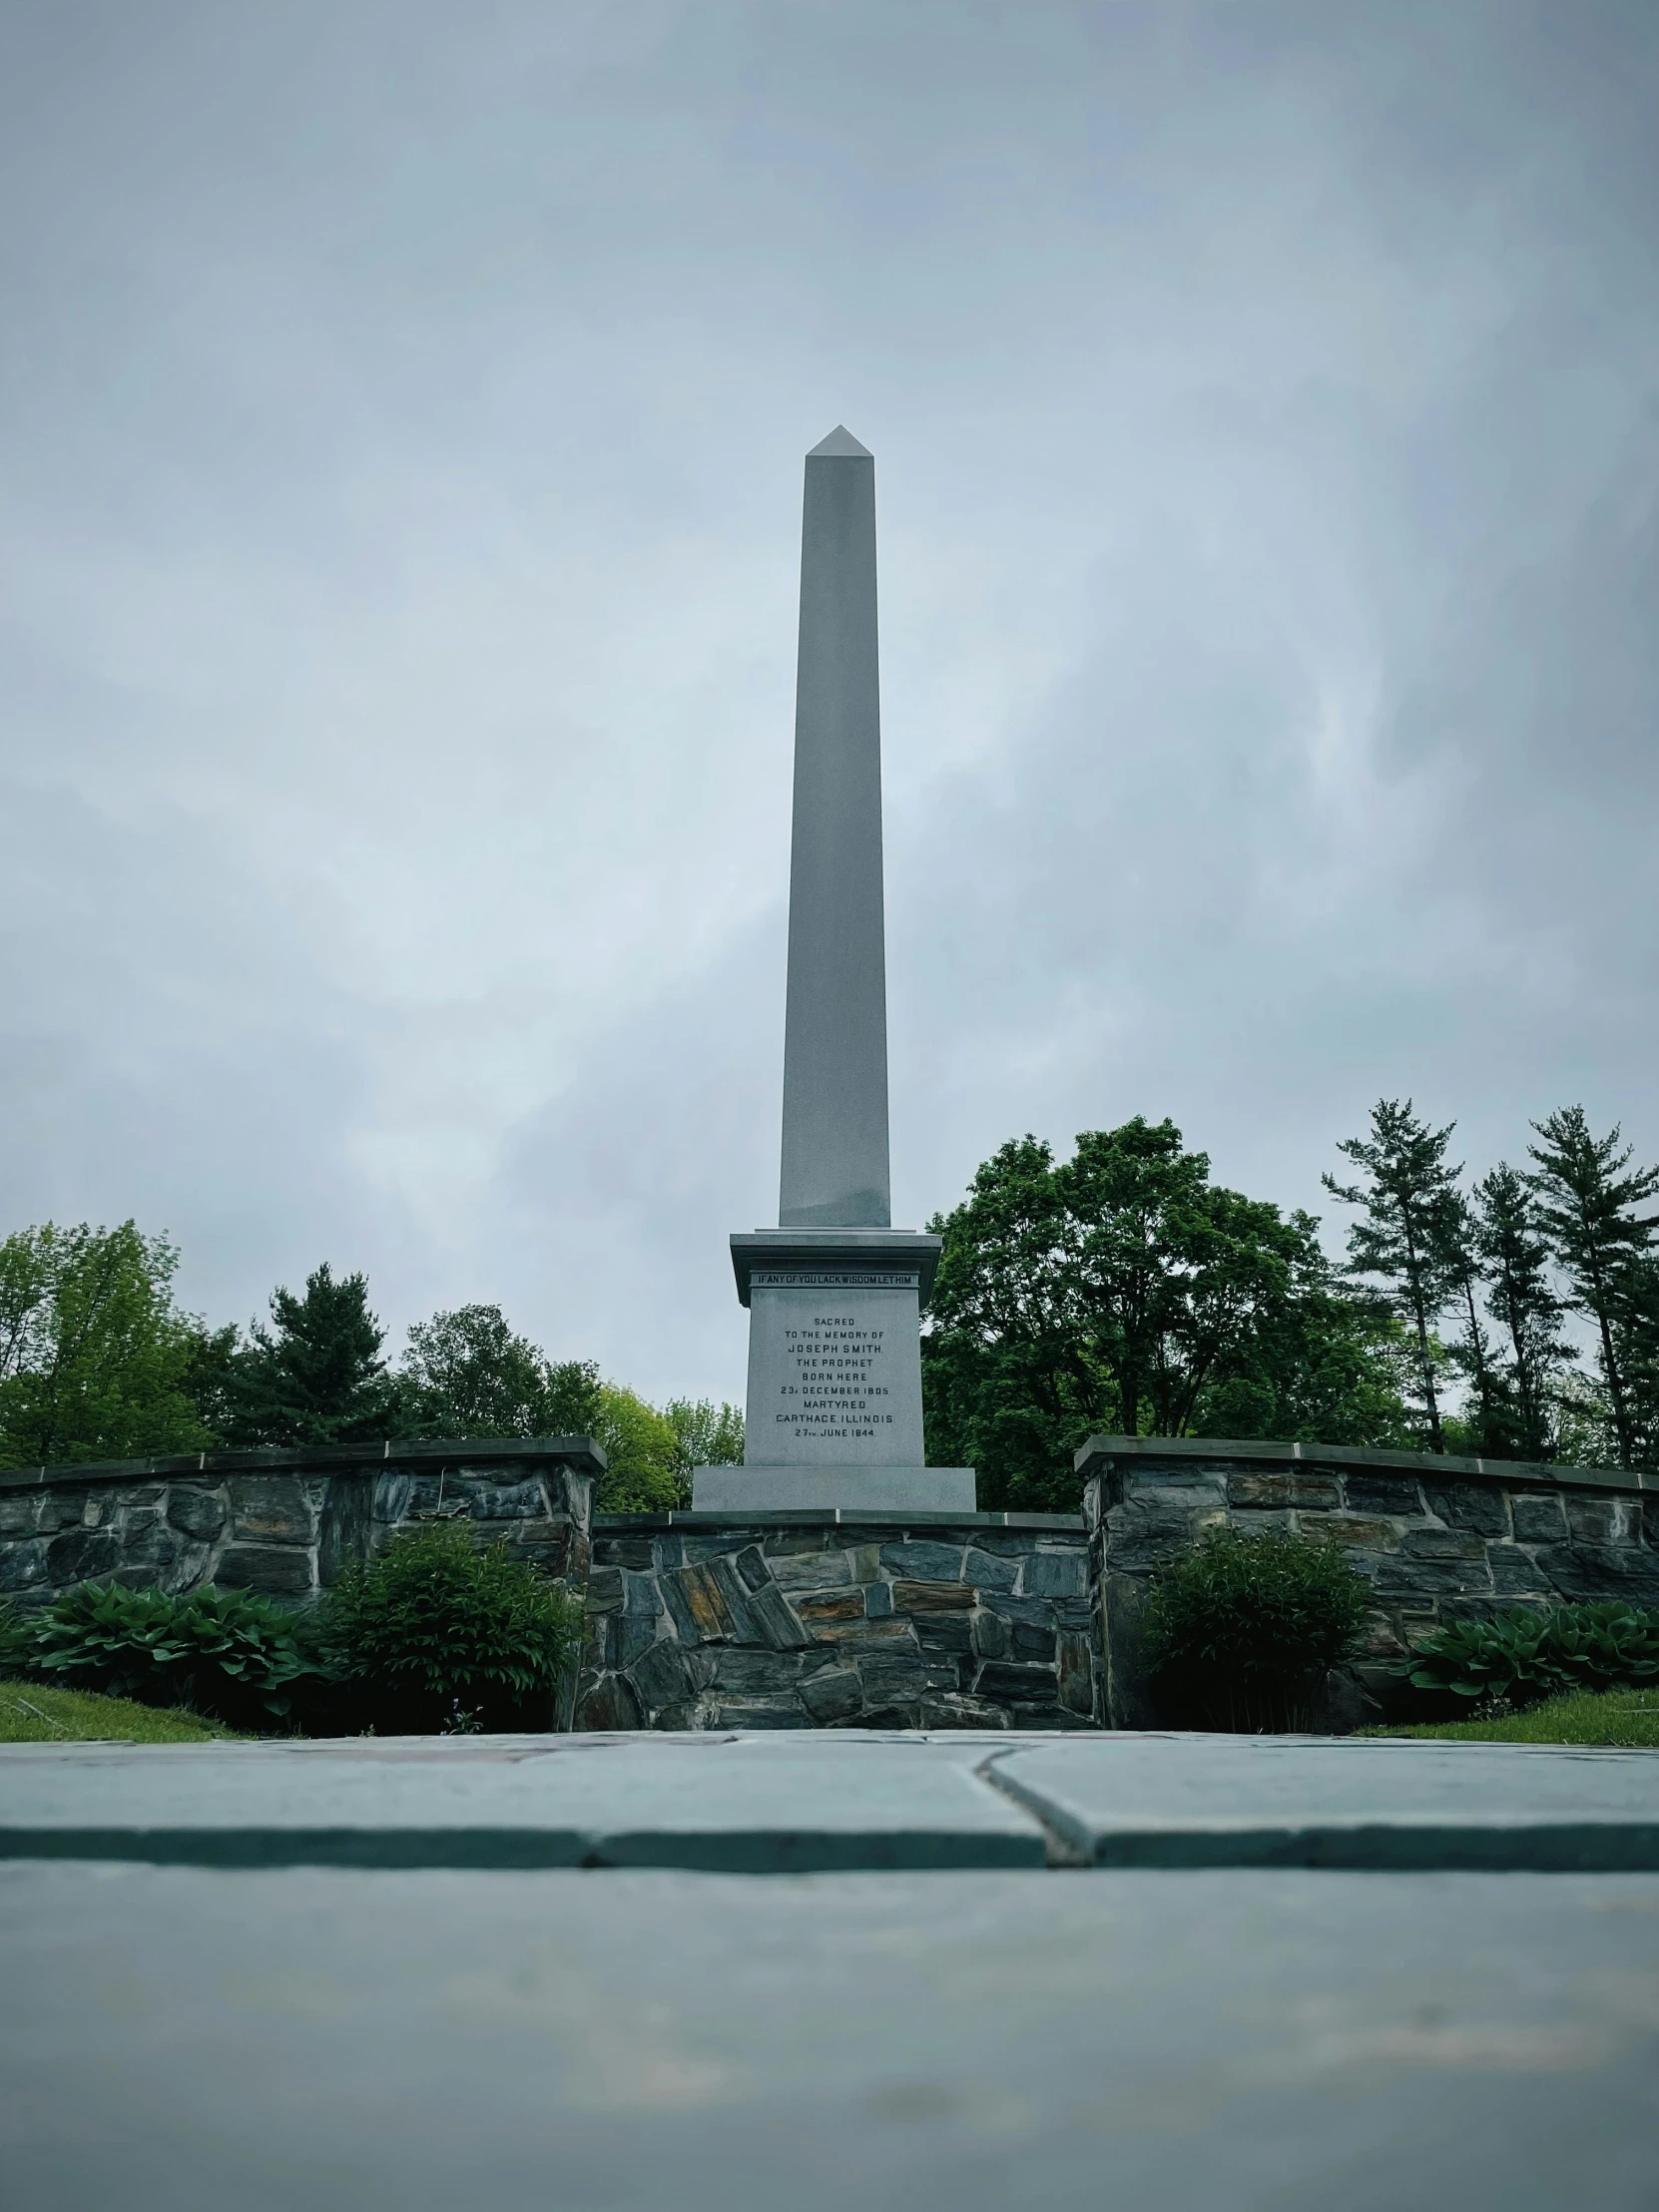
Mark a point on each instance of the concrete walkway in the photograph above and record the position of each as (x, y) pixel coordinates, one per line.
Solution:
(376, 1974)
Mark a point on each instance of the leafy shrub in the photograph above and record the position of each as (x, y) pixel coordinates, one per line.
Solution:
(1240, 1632)
(436, 1627)
(221, 1652)
(1522, 1657)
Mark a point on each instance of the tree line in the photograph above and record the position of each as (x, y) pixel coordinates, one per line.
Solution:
(1122, 1291)
(98, 1362)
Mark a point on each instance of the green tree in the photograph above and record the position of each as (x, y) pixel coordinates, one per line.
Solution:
(710, 1435)
(210, 1378)
(1408, 1232)
(466, 1374)
(642, 1453)
(318, 1378)
(1587, 1204)
(1489, 1426)
(94, 1354)
(1326, 1367)
(1011, 1383)
(1514, 1257)
(1123, 1290)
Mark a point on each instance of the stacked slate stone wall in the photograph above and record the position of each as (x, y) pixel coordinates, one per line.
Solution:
(801, 1620)
(1437, 1539)
(284, 1524)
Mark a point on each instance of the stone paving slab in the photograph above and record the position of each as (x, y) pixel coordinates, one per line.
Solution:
(1244, 1801)
(180, 2039)
(774, 1803)
(782, 1802)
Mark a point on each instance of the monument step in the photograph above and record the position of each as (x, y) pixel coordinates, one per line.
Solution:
(836, 1801)
(868, 1489)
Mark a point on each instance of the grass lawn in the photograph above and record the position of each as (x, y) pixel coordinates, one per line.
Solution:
(33, 1714)
(1627, 1716)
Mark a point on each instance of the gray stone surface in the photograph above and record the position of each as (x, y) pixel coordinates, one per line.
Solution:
(835, 1152)
(870, 1490)
(769, 1803)
(834, 1370)
(179, 2040)
(725, 1620)
(284, 1524)
(1437, 1538)
(799, 1800)
(1242, 1801)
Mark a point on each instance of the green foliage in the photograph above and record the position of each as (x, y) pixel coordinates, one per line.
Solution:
(1523, 1656)
(644, 1468)
(436, 1623)
(1409, 1236)
(1586, 1209)
(34, 1712)
(1122, 1289)
(316, 1377)
(93, 1355)
(466, 1374)
(1628, 1719)
(1513, 1253)
(223, 1652)
(1240, 1632)
(708, 1435)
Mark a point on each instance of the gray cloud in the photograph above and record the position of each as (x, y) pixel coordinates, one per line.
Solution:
(400, 422)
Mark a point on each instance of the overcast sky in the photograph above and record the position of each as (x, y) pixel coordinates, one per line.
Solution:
(401, 415)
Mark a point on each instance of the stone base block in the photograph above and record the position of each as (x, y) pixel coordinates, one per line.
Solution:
(851, 1488)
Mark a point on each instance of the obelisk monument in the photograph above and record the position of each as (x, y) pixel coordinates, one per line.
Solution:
(833, 1292)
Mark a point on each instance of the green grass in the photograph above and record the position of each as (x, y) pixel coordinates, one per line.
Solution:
(1624, 1717)
(29, 1713)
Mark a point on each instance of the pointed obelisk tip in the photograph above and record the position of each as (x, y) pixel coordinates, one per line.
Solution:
(841, 446)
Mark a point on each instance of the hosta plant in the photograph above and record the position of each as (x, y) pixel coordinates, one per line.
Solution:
(1521, 1657)
(223, 1652)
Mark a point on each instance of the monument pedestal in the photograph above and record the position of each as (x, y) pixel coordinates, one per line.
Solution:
(835, 1377)
(847, 1488)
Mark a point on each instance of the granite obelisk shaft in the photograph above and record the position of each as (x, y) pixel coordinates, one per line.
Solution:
(834, 1291)
(835, 1163)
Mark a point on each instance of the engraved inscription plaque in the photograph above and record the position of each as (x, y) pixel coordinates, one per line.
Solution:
(834, 1376)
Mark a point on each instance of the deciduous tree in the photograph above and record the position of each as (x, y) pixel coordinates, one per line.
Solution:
(94, 1354)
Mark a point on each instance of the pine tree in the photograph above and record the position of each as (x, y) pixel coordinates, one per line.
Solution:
(1408, 1235)
(1492, 1425)
(1586, 1208)
(1514, 1256)
(318, 1378)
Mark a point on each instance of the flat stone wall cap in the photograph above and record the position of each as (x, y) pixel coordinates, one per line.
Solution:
(1101, 1450)
(619, 1524)
(1376, 1803)
(584, 1453)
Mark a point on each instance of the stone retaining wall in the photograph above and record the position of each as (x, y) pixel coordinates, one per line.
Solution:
(1437, 1539)
(285, 1522)
(716, 1620)
(851, 1620)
